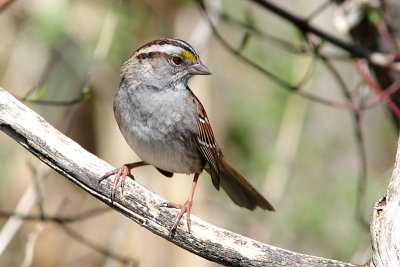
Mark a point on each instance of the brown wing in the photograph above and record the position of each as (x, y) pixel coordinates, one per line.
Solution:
(205, 141)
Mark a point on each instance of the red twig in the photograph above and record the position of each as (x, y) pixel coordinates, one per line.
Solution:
(394, 87)
(5, 4)
(382, 94)
(387, 37)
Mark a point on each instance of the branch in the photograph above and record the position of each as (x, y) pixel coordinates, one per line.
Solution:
(74, 234)
(139, 204)
(58, 219)
(304, 26)
(376, 58)
(385, 223)
(4, 5)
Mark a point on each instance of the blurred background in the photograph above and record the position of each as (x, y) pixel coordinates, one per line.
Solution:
(62, 58)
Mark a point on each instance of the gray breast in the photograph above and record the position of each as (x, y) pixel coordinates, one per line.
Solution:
(159, 126)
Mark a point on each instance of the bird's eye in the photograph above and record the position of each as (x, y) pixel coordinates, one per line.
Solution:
(177, 60)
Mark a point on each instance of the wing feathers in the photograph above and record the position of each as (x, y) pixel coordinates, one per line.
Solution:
(205, 140)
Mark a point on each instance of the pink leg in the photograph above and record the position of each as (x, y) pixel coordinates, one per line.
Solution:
(185, 208)
(120, 175)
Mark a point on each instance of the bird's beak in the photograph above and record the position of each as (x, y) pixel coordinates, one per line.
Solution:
(199, 69)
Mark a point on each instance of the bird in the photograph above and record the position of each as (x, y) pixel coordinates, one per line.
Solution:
(166, 125)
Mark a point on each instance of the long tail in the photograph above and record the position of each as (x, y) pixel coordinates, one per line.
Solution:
(239, 189)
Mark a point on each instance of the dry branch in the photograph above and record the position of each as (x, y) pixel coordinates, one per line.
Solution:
(385, 224)
(141, 205)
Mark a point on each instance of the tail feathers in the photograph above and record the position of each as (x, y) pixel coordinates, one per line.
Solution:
(240, 190)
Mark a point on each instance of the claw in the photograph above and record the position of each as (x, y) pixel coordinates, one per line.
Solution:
(120, 175)
(185, 208)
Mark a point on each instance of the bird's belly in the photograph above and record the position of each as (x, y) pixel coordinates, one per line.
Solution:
(176, 156)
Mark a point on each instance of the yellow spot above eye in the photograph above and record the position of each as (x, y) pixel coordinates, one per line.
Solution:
(188, 55)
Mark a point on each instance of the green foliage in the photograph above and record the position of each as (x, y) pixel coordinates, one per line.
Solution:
(37, 94)
(374, 16)
(86, 93)
(249, 23)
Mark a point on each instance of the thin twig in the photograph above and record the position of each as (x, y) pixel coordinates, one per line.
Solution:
(56, 102)
(37, 178)
(304, 26)
(378, 90)
(387, 37)
(362, 180)
(5, 5)
(106, 252)
(30, 244)
(58, 219)
(274, 78)
(360, 143)
(234, 51)
(389, 91)
(282, 44)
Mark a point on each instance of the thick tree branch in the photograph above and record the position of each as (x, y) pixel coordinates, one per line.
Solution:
(385, 224)
(139, 204)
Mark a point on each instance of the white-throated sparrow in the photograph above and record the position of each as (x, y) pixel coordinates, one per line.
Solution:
(167, 126)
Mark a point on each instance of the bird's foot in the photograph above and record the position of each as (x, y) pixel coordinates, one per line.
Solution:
(185, 208)
(120, 176)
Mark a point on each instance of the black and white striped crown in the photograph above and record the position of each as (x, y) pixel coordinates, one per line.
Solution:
(167, 46)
